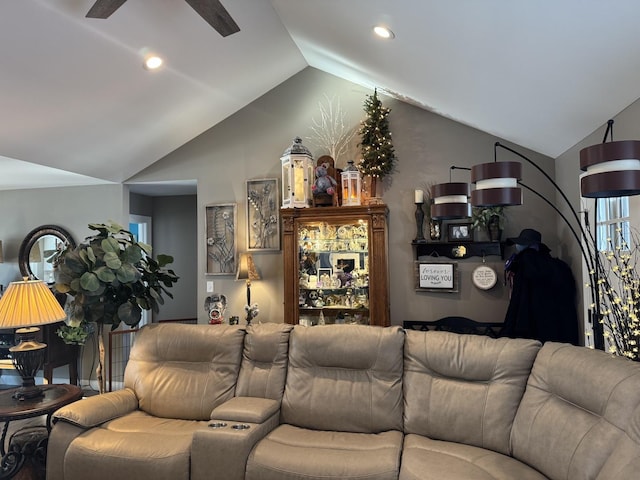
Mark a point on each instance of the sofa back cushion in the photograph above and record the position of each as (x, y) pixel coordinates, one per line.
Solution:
(264, 361)
(465, 388)
(184, 371)
(346, 378)
(580, 406)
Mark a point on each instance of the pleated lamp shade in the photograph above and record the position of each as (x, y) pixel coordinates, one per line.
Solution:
(29, 303)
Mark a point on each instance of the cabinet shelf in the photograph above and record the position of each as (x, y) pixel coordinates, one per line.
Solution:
(334, 290)
(336, 308)
(458, 250)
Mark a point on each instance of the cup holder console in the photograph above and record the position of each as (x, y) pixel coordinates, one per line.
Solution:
(217, 425)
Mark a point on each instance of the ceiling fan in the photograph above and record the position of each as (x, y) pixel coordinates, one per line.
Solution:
(210, 10)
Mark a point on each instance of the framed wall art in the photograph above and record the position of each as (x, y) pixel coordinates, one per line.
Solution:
(460, 232)
(436, 277)
(220, 225)
(263, 214)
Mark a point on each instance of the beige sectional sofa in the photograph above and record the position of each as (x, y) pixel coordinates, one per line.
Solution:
(353, 402)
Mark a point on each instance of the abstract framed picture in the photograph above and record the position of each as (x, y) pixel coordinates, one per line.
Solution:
(263, 214)
(220, 225)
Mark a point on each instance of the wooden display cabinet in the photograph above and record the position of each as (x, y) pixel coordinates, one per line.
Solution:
(335, 265)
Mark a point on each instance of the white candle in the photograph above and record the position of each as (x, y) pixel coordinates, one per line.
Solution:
(419, 194)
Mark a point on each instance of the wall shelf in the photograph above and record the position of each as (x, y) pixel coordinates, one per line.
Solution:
(458, 250)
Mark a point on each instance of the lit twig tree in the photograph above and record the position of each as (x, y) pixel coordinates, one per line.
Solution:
(330, 131)
(378, 155)
(618, 285)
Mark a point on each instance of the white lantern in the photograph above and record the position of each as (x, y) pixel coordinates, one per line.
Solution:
(351, 185)
(297, 175)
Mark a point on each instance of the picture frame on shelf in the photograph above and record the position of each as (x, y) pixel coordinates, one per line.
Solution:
(220, 239)
(460, 232)
(324, 278)
(436, 276)
(263, 214)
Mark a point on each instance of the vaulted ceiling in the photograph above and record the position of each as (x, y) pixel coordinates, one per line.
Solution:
(78, 108)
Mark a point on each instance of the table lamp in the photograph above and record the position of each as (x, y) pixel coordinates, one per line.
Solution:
(247, 271)
(24, 306)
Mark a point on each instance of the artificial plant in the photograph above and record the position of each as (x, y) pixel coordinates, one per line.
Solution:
(481, 217)
(378, 155)
(112, 278)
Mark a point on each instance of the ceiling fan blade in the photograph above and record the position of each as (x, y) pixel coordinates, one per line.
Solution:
(215, 15)
(104, 8)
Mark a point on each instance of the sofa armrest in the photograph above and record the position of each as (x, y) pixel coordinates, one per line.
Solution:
(221, 451)
(246, 409)
(92, 411)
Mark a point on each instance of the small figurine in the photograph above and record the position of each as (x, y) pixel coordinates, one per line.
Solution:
(215, 305)
(324, 183)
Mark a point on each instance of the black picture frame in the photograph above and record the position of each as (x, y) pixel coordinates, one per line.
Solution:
(460, 232)
(436, 276)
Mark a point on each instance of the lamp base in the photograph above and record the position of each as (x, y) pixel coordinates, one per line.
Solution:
(28, 358)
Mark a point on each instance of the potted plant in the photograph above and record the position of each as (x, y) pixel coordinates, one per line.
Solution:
(112, 278)
(489, 219)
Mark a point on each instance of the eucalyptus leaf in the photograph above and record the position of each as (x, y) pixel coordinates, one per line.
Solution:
(127, 273)
(133, 254)
(91, 255)
(105, 274)
(110, 244)
(145, 247)
(112, 260)
(73, 261)
(130, 313)
(164, 260)
(89, 281)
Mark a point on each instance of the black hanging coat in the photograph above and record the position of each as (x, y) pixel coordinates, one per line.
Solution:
(543, 299)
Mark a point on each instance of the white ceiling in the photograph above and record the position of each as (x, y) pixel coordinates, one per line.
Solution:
(74, 96)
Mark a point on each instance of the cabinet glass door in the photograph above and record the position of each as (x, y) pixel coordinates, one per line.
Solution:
(333, 272)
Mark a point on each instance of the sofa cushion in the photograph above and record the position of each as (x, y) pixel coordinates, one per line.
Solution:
(264, 361)
(465, 388)
(134, 446)
(290, 452)
(346, 378)
(577, 411)
(184, 371)
(624, 461)
(427, 459)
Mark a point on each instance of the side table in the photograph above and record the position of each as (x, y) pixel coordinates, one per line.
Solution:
(54, 397)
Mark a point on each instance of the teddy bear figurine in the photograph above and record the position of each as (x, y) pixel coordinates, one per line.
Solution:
(324, 183)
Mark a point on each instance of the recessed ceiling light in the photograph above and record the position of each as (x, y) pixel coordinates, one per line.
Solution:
(152, 62)
(383, 32)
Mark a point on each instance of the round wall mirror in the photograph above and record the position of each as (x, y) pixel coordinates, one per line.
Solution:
(38, 247)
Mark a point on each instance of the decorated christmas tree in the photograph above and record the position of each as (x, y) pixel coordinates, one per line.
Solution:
(378, 156)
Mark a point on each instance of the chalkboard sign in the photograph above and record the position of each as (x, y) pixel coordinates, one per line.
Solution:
(436, 277)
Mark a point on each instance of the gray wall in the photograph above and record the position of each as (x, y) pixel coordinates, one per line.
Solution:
(72, 208)
(175, 227)
(248, 145)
